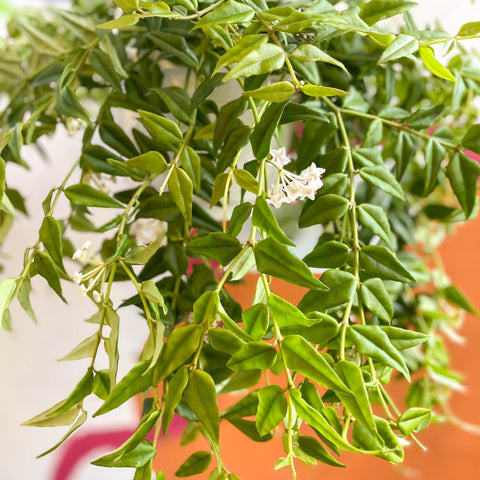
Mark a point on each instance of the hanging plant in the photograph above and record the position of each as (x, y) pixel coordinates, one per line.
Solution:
(320, 146)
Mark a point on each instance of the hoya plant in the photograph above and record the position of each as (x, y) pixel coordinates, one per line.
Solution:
(325, 145)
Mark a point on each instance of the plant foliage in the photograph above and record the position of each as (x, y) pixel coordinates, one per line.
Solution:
(219, 115)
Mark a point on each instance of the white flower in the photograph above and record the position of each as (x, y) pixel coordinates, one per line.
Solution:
(77, 278)
(146, 230)
(279, 157)
(290, 187)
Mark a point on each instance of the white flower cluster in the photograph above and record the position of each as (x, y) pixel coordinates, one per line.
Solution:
(290, 187)
(91, 277)
(146, 230)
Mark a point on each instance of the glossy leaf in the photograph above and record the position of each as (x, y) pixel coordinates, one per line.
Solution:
(181, 189)
(321, 91)
(276, 92)
(245, 180)
(152, 162)
(217, 246)
(301, 357)
(196, 463)
(372, 341)
(376, 10)
(402, 46)
(311, 446)
(255, 321)
(374, 218)
(413, 420)
(463, 173)
(434, 155)
(205, 308)
(330, 254)
(251, 356)
(51, 237)
(87, 196)
(323, 209)
(380, 177)
(176, 387)
(264, 219)
(376, 298)
(229, 12)
(428, 57)
(201, 397)
(378, 261)
(275, 259)
(272, 408)
(135, 458)
(401, 338)
(83, 350)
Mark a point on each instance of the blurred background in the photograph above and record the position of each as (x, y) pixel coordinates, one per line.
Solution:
(32, 379)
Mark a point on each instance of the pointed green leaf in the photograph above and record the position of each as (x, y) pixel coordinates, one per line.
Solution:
(414, 419)
(434, 155)
(311, 446)
(469, 29)
(378, 261)
(255, 320)
(372, 341)
(229, 12)
(375, 219)
(43, 265)
(84, 350)
(428, 57)
(161, 129)
(252, 356)
(264, 219)
(376, 10)
(176, 387)
(201, 397)
(276, 92)
(121, 22)
(425, 117)
(272, 408)
(217, 246)
(81, 390)
(276, 259)
(7, 289)
(49, 418)
(301, 357)
(402, 46)
(402, 338)
(266, 58)
(87, 196)
(135, 381)
(181, 188)
(138, 457)
(310, 53)
(51, 237)
(205, 308)
(380, 177)
(152, 162)
(471, 139)
(246, 44)
(324, 209)
(376, 298)
(330, 254)
(321, 91)
(245, 180)
(196, 463)
(191, 163)
(179, 347)
(463, 173)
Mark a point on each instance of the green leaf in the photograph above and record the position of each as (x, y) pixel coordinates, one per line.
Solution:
(227, 120)
(311, 446)
(341, 288)
(181, 188)
(102, 63)
(201, 397)
(51, 237)
(330, 254)
(7, 289)
(252, 356)
(402, 338)
(402, 46)
(376, 298)
(120, 22)
(177, 101)
(453, 295)
(43, 265)
(434, 155)
(69, 105)
(176, 46)
(463, 173)
(376, 10)
(469, 29)
(196, 463)
(255, 320)
(23, 297)
(230, 12)
(161, 129)
(275, 259)
(320, 91)
(375, 219)
(285, 314)
(49, 418)
(414, 419)
(138, 457)
(84, 350)
(314, 418)
(380, 177)
(378, 261)
(425, 117)
(224, 340)
(372, 341)
(245, 180)
(78, 423)
(205, 308)
(87, 196)
(261, 136)
(246, 44)
(266, 58)
(310, 53)
(135, 381)
(471, 139)
(216, 246)
(301, 357)
(357, 404)
(126, 5)
(428, 57)
(176, 387)
(140, 255)
(264, 219)
(272, 408)
(179, 347)
(324, 209)
(276, 92)
(374, 134)
(191, 163)
(152, 162)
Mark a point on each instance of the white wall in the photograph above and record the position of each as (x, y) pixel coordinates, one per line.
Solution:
(31, 379)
